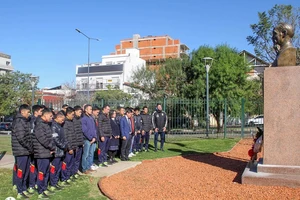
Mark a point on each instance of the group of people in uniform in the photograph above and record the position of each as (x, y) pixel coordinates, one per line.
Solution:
(52, 149)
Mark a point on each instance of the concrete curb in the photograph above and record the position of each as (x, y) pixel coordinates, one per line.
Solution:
(121, 167)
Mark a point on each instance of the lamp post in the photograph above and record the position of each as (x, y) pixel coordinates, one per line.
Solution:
(89, 39)
(33, 80)
(207, 62)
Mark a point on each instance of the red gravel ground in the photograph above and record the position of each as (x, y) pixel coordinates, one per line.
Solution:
(203, 176)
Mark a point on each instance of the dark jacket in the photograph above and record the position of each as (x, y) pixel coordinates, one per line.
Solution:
(159, 120)
(20, 136)
(78, 131)
(88, 127)
(125, 127)
(115, 128)
(42, 139)
(138, 123)
(33, 121)
(97, 126)
(104, 125)
(58, 137)
(70, 134)
(146, 122)
(118, 118)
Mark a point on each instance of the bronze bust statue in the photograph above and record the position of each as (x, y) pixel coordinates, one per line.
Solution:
(286, 53)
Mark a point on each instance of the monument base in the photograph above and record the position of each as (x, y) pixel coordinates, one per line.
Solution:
(271, 175)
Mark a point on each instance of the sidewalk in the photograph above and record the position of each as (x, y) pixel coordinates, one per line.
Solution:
(115, 168)
(7, 161)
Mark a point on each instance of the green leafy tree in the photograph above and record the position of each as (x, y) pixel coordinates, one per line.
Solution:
(172, 78)
(227, 79)
(145, 79)
(262, 31)
(15, 89)
(168, 79)
(195, 73)
(111, 93)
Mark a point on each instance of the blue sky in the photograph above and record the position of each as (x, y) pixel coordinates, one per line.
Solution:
(41, 38)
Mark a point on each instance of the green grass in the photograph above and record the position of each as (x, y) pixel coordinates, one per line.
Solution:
(185, 146)
(5, 144)
(84, 188)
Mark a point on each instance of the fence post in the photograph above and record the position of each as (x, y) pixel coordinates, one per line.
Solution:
(164, 104)
(243, 117)
(102, 103)
(225, 118)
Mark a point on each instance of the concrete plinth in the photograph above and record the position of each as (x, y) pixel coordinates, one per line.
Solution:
(281, 158)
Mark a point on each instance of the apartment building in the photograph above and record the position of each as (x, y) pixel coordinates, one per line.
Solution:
(112, 72)
(153, 49)
(5, 63)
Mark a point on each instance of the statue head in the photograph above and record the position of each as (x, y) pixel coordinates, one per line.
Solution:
(282, 35)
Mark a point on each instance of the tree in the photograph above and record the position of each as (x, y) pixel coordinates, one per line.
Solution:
(168, 79)
(227, 78)
(111, 94)
(262, 31)
(145, 79)
(15, 90)
(172, 78)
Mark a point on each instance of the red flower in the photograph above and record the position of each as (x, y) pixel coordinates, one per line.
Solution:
(250, 152)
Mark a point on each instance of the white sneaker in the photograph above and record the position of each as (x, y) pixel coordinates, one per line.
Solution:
(94, 167)
(130, 155)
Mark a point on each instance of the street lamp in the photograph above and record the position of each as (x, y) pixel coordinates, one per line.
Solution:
(207, 62)
(33, 81)
(88, 83)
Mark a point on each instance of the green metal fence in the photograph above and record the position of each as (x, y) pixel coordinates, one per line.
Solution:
(228, 118)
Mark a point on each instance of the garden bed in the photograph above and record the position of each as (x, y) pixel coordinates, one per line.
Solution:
(200, 176)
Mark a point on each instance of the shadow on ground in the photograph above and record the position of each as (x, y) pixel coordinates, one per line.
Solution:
(226, 163)
(2, 154)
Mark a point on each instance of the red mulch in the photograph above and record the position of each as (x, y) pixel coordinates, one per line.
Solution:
(203, 176)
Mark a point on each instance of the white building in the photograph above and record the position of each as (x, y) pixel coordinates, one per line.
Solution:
(5, 63)
(112, 72)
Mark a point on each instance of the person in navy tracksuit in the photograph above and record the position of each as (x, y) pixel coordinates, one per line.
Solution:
(138, 130)
(61, 146)
(126, 134)
(79, 140)
(37, 112)
(43, 150)
(105, 133)
(146, 128)
(70, 137)
(21, 148)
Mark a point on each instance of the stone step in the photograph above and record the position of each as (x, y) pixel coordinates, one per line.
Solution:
(251, 176)
(279, 169)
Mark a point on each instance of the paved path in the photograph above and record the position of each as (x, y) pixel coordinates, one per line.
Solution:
(7, 161)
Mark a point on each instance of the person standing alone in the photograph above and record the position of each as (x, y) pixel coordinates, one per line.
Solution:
(159, 121)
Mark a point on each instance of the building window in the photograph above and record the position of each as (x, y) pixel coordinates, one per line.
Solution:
(84, 83)
(7, 63)
(99, 83)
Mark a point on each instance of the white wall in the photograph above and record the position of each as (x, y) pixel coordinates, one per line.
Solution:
(5, 65)
(131, 61)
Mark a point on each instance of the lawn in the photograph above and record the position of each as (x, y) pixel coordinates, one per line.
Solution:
(84, 188)
(5, 143)
(184, 146)
(87, 187)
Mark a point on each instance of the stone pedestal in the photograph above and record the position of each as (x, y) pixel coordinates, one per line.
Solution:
(281, 158)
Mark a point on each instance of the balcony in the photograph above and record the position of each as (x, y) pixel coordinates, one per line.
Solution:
(98, 86)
